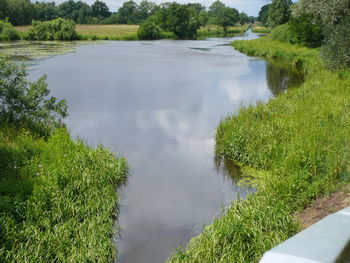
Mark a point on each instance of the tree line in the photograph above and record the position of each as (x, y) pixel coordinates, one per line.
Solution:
(22, 12)
(313, 23)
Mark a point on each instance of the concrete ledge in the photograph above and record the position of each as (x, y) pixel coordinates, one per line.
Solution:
(327, 241)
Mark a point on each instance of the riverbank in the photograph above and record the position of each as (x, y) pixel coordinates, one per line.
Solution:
(58, 198)
(293, 149)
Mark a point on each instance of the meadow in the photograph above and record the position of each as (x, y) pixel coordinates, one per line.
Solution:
(293, 149)
(129, 32)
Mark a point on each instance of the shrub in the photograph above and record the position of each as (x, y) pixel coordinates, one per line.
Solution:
(305, 31)
(57, 29)
(149, 29)
(7, 31)
(336, 49)
(23, 103)
(283, 33)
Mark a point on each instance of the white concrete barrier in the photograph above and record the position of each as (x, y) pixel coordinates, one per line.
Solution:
(327, 241)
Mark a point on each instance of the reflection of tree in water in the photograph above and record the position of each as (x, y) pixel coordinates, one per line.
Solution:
(280, 78)
(228, 169)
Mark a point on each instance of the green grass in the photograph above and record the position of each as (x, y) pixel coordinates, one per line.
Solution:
(261, 30)
(293, 149)
(58, 199)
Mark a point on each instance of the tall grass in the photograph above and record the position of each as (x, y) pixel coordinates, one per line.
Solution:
(58, 199)
(296, 147)
(216, 31)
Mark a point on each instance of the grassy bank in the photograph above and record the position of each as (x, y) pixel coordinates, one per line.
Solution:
(58, 198)
(261, 30)
(293, 149)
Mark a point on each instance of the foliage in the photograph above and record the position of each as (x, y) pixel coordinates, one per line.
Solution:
(306, 32)
(283, 33)
(126, 13)
(100, 9)
(59, 200)
(333, 17)
(57, 29)
(46, 11)
(26, 104)
(296, 148)
(243, 18)
(279, 12)
(336, 48)
(20, 12)
(149, 29)
(263, 16)
(7, 31)
(223, 16)
(176, 18)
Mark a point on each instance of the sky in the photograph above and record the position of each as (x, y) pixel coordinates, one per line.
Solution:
(251, 7)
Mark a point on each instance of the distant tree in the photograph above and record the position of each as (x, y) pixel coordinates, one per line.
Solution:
(3, 8)
(177, 18)
(243, 18)
(20, 12)
(45, 11)
(279, 12)
(252, 19)
(144, 10)
(263, 16)
(100, 9)
(127, 12)
(223, 16)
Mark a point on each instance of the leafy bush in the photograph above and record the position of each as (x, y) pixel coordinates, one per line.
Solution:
(336, 49)
(23, 103)
(149, 29)
(283, 33)
(57, 29)
(7, 31)
(305, 31)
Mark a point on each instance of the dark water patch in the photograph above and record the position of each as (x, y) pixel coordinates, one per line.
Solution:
(281, 77)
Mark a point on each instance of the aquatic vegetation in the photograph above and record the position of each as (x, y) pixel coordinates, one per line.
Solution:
(28, 50)
(293, 149)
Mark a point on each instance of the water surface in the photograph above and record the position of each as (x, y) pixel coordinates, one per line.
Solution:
(158, 103)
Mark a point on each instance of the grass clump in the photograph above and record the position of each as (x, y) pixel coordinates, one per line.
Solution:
(58, 199)
(261, 30)
(296, 147)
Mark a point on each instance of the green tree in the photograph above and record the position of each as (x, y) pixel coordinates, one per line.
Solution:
(27, 104)
(279, 12)
(45, 11)
(177, 18)
(243, 18)
(263, 16)
(333, 17)
(222, 15)
(149, 29)
(100, 9)
(20, 12)
(144, 10)
(127, 12)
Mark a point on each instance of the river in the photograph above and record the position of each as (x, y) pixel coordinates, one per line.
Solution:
(158, 103)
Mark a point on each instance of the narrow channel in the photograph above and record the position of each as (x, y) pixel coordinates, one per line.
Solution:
(158, 103)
